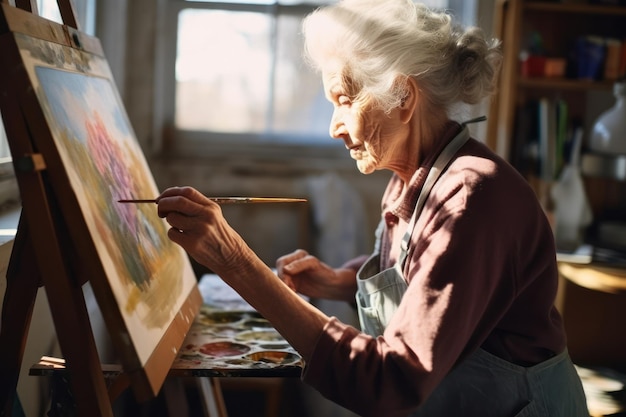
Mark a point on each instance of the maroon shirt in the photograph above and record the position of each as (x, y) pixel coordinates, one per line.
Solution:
(481, 271)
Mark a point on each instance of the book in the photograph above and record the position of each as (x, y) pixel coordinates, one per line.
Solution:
(525, 152)
(547, 123)
(561, 126)
(613, 58)
(590, 57)
(622, 60)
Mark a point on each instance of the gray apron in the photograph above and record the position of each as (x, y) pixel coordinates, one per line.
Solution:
(483, 385)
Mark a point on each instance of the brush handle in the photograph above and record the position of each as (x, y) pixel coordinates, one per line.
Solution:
(230, 200)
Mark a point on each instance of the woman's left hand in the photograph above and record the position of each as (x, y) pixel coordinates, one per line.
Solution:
(197, 224)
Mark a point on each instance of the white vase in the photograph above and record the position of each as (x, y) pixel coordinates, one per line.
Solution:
(572, 211)
(609, 131)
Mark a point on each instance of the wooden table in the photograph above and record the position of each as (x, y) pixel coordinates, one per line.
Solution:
(595, 276)
(592, 300)
(228, 339)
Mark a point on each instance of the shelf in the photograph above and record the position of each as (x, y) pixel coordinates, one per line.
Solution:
(604, 166)
(595, 277)
(575, 8)
(560, 23)
(565, 84)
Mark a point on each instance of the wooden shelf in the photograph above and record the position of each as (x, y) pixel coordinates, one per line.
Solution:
(559, 24)
(595, 277)
(604, 166)
(574, 8)
(564, 84)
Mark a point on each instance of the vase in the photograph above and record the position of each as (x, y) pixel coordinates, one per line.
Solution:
(608, 135)
(572, 211)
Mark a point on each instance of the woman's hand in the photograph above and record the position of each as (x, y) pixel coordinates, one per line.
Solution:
(306, 274)
(200, 228)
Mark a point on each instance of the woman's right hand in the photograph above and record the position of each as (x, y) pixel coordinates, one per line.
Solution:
(307, 275)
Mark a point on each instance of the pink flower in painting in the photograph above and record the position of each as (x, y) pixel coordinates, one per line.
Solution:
(109, 160)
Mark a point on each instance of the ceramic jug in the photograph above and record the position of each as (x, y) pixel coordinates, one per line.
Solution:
(609, 131)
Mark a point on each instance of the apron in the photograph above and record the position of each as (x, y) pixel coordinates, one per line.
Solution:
(483, 385)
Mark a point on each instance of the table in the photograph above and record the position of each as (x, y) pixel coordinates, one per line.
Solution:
(592, 301)
(595, 276)
(228, 339)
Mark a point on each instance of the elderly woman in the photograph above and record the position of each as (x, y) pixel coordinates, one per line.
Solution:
(456, 303)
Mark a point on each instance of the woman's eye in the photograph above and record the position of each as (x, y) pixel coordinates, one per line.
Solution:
(343, 100)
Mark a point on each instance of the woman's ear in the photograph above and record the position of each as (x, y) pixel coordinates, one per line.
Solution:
(409, 102)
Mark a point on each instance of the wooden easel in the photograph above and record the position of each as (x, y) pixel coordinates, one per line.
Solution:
(48, 268)
(44, 254)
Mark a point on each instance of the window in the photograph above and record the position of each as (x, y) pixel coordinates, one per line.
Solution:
(254, 78)
(85, 12)
(237, 77)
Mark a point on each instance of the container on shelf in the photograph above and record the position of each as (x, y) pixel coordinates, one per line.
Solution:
(608, 135)
(604, 166)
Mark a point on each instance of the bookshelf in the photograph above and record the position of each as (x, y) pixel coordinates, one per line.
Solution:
(533, 32)
(559, 25)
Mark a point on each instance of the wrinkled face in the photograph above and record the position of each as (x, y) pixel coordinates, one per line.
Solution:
(374, 138)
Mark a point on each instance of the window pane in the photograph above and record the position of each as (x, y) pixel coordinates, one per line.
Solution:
(84, 10)
(50, 10)
(281, 2)
(223, 71)
(237, 1)
(300, 108)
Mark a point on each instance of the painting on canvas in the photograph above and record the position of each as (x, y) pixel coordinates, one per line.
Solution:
(149, 277)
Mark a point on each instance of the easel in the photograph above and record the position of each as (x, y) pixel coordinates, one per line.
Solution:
(44, 255)
(65, 296)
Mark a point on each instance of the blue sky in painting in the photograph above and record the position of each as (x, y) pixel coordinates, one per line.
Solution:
(74, 98)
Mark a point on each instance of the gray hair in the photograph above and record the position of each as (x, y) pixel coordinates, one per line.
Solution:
(379, 43)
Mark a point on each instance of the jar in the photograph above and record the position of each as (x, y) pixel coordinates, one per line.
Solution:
(609, 131)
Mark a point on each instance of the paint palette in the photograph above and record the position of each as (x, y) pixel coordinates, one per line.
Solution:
(228, 342)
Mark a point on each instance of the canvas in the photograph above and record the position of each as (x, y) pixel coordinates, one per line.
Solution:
(144, 283)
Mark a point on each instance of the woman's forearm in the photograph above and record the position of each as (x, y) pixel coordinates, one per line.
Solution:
(293, 317)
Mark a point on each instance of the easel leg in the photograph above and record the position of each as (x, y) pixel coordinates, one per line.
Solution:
(175, 398)
(78, 346)
(21, 292)
(211, 397)
(75, 335)
(62, 404)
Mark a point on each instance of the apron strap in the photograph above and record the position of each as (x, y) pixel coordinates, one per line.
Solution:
(474, 120)
(438, 167)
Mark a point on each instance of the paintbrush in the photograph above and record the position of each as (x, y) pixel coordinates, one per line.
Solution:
(230, 200)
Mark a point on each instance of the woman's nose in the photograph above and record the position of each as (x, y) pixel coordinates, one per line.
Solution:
(337, 129)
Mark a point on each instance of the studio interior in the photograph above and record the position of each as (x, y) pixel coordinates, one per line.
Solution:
(219, 97)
